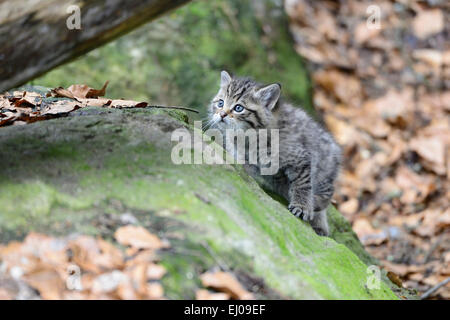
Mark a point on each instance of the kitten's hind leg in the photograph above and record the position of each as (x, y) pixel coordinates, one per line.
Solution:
(320, 223)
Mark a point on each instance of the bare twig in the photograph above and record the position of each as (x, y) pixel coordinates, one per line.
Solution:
(221, 264)
(177, 108)
(435, 288)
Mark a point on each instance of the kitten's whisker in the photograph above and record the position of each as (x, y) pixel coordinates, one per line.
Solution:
(207, 125)
(210, 123)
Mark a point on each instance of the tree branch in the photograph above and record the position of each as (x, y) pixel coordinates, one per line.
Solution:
(35, 38)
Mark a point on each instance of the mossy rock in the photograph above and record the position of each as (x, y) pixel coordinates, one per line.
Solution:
(79, 174)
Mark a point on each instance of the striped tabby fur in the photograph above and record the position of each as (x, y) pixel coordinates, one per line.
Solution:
(308, 155)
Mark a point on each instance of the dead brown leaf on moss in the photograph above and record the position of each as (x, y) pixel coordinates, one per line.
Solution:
(203, 294)
(138, 238)
(394, 278)
(127, 104)
(226, 283)
(23, 107)
(155, 271)
(83, 91)
(60, 107)
(100, 102)
(47, 281)
(78, 91)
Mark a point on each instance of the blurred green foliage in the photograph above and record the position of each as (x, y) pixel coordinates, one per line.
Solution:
(176, 60)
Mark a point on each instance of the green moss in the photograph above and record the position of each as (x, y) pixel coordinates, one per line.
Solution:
(342, 232)
(32, 201)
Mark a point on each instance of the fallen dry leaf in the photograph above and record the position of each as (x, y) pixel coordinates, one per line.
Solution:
(7, 120)
(345, 88)
(108, 282)
(61, 106)
(138, 238)
(155, 271)
(428, 22)
(60, 92)
(344, 132)
(32, 98)
(432, 152)
(127, 104)
(433, 221)
(154, 290)
(376, 127)
(139, 256)
(227, 283)
(4, 103)
(416, 188)
(48, 282)
(367, 234)
(79, 268)
(203, 294)
(394, 278)
(82, 91)
(110, 256)
(95, 256)
(126, 291)
(100, 102)
(349, 207)
(395, 107)
(23, 103)
(434, 58)
(363, 34)
(27, 107)
(410, 221)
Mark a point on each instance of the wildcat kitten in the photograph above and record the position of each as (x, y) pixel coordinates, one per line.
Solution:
(309, 158)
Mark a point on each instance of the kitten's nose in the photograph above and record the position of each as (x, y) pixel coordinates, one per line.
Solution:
(223, 114)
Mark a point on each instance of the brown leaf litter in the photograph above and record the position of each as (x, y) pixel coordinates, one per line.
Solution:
(384, 93)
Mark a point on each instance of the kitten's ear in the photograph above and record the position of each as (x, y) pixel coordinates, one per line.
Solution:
(225, 79)
(269, 95)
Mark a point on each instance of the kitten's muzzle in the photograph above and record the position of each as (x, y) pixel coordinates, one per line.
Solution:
(223, 114)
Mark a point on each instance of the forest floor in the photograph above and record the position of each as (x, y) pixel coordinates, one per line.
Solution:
(384, 95)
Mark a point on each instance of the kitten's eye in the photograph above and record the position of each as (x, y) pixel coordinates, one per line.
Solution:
(238, 108)
(219, 103)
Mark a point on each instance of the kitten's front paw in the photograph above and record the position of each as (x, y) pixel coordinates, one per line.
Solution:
(321, 231)
(300, 211)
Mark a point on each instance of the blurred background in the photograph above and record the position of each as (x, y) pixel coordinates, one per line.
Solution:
(377, 79)
(177, 59)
